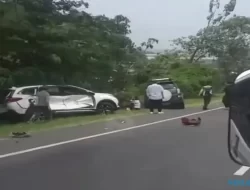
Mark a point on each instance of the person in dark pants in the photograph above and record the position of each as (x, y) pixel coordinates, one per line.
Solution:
(155, 104)
(42, 104)
(155, 94)
(225, 99)
(206, 92)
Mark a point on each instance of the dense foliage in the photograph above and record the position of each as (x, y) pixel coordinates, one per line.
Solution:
(226, 37)
(47, 41)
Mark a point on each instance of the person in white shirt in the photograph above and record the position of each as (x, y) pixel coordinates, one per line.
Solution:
(136, 104)
(155, 94)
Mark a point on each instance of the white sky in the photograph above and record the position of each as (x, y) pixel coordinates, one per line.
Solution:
(162, 19)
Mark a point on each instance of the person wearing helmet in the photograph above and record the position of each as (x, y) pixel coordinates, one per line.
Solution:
(206, 92)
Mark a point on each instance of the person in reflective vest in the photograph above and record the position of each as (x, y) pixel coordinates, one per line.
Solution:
(206, 92)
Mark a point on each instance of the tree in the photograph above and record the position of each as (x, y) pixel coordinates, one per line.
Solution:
(46, 41)
(56, 43)
(230, 43)
(196, 45)
(148, 45)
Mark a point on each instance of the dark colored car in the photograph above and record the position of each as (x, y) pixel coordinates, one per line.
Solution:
(173, 97)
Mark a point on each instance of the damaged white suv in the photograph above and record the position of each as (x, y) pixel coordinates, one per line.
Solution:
(63, 99)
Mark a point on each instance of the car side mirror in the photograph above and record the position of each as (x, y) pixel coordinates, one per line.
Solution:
(239, 120)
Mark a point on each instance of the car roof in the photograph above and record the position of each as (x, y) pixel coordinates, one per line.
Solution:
(162, 79)
(37, 86)
(243, 76)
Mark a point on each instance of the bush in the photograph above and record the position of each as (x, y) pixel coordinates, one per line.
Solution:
(190, 78)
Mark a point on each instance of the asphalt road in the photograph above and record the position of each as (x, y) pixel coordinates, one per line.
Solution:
(158, 156)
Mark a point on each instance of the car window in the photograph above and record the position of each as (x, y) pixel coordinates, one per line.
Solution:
(28, 91)
(53, 91)
(66, 90)
(168, 85)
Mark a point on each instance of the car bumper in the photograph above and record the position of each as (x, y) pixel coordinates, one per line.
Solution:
(174, 100)
(117, 107)
(15, 108)
(3, 109)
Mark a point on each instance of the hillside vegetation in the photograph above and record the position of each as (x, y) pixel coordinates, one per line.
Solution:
(52, 42)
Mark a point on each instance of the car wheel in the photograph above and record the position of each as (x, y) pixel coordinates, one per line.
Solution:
(106, 107)
(180, 105)
(13, 117)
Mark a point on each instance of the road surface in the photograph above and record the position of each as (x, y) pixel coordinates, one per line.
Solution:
(152, 152)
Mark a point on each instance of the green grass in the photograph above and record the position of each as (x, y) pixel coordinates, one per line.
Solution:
(6, 129)
(194, 102)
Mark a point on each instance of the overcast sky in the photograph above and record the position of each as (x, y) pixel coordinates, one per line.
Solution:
(162, 19)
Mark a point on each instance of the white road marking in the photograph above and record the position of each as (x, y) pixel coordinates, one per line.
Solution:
(100, 134)
(242, 170)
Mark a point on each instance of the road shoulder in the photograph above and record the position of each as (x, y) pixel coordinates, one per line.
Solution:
(67, 134)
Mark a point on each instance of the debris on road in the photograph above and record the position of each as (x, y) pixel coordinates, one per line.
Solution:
(19, 135)
(191, 122)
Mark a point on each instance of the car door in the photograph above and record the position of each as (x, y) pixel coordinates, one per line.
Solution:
(56, 100)
(77, 98)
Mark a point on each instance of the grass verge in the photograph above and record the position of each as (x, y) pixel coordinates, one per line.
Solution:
(195, 102)
(6, 129)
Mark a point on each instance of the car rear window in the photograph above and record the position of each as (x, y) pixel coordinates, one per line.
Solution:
(167, 85)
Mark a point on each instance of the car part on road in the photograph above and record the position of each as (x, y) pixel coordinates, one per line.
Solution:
(239, 120)
(191, 122)
(19, 135)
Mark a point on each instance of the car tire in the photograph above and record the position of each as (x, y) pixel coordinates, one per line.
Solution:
(180, 105)
(105, 107)
(13, 117)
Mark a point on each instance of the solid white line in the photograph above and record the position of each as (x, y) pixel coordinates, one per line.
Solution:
(242, 170)
(100, 134)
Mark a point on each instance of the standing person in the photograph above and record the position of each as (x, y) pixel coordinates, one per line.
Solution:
(206, 92)
(155, 94)
(43, 102)
(225, 99)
